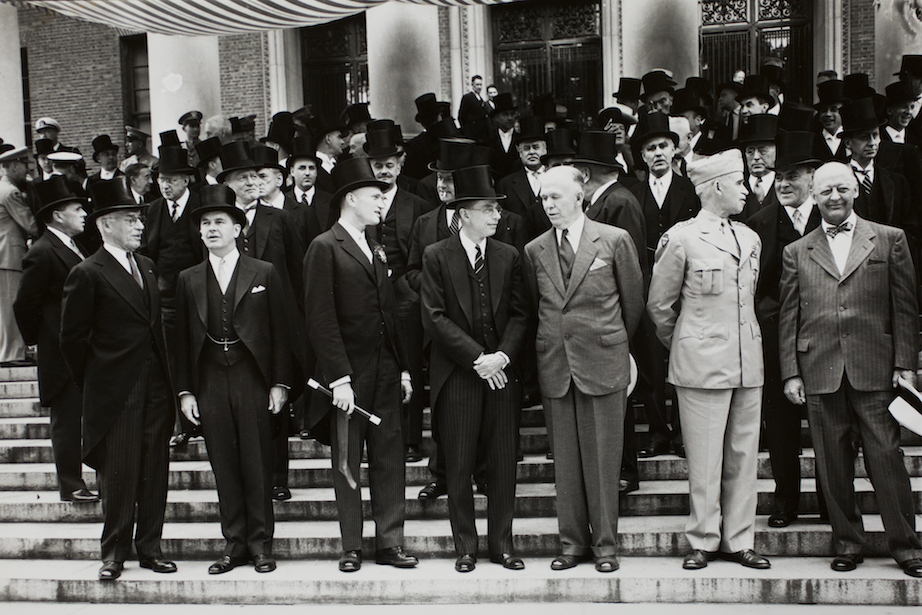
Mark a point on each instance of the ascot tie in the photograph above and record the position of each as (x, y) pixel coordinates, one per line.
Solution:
(565, 252)
(135, 272)
(223, 277)
(478, 260)
(174, 209)
(455, 225)
(844, 227)
(798, 219)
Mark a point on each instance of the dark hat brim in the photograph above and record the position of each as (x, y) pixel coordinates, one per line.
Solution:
(603, 163)
(58, 202)
(248, 167)
(471, 199)
(295, 157)
(383, 152)
(93, 215)
(362, 183)
(782, 164)
(639, 140)
(236, 213)
(855, 131)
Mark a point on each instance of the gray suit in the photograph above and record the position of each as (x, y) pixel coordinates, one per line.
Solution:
(16, 223)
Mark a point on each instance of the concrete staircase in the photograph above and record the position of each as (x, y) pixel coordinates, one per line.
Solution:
(49, 548)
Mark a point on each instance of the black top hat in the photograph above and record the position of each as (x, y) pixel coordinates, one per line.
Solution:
(729, 85)
(320, 127)
(653, 125)
(796, 148)
(235, 156)
(303, 146)
(266, 157)
(444, 128)
(102, 143)
(857, 85)
(756, 86)
(474, 184)
(795, 116)
(773, 70)
(174, 159)
(43, 147)
(614, 115)
(830, 93)
(351, 174)
(170, 138)
(898, 94)
(657, 81)
(6, 147)
(454, 153)
(715, 138)
(51, 193)
(355, 114)
(531, 128)
(911, 64)
(427, 109)
(481, 155)
(243, 124)
(597, 147)
(386, 124)
(191, 117)
(702, 87)
(561, 143)
(281, 130)
(380, 143)
(628, 88)
(111, 195)
(688, 100)
(208, 149)
(859, 116)
(760, 128)
(503, 102)
(218, 198)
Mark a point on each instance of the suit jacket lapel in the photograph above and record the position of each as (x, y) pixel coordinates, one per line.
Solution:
(439, 229)
(861, 248)
(349, 245)
(496, 266)
(458, 267)
(521, 185)
(67, 256)
(199, 283)
(585, 254)
(820, 252)
(150, 283)
(404, 219)
(674, 197)
(121, 281)
(551, 261)
(245, 274)
(262, 221)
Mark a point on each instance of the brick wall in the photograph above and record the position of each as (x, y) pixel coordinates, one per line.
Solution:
(75, 77)
(858, 38)
(245, 77)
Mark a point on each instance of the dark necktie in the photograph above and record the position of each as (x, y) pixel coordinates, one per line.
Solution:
(866, 184)
(478, 260)
(844, 227)
(135, 272)
(455, 225)
(174, 211)
(565, 252)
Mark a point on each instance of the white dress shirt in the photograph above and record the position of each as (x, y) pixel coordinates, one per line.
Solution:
(574, 232)
(832, 140)
(230, 263)
(359, 237)
(764, 184)
(389, 197)
(138, 198)
(120, 255)
(181, 202)
(103, 174)
(601, 190)
(506, 138)
(805, 209)
(300, 194)
(897, 136)
(842, 242)
(327, 162)
(534, 179)
(278, 202)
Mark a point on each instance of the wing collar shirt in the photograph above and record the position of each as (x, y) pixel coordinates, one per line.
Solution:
(833, 140)
(842, 242)
(897, 136)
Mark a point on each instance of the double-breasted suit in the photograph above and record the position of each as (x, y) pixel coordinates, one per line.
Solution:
(583, 371)
(844, 334)
(113, 343)
(702, 303)
(458, 305)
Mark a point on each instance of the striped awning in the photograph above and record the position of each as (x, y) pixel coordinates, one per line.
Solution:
(207, 17)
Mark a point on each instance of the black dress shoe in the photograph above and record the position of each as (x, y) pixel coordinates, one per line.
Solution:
(413, 454)
(305, 434)
(110, 571)
(350, 561)
(607, 563)
(396, 557)
(263, 563)
(158, 564)
(748, 558)
(563, 562)
(846, 562)
(466, 562)
(180, 440)
(678, 449)
(628, 486)
(81, 496)
(225, 564)
(481, 488)
(781, 519)
(280, 494)
(912, 567)
(433, 490)
(508, 560)
(698, 559)
(653, 450)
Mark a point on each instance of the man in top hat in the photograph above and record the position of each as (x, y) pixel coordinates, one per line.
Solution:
(910, 74)
(688, 105)
(112, 341)
(521, 187)
(791, 215)
(105, 152)
(755, 97)
(16, 224)
(352, 322)
(757, 142)
(43, 147)
(38, 314)
(233, 354)
(849, 331)
(172, 241)
(209, 155)
(658, 91)
(665, 199)
(900, 104)
(728, 107)
(140, 180)
(281, 133)
(331, 141)
(505, 157)
(475, 310)
(621, 123)
(773, 70)
(474, 108)
(423, 149)
(831, 96)
(628, 93)
(136, 146)
(191, 122)
(356, 117)
(243, 128)
(702, 303)
(315, 214)
(589, 291)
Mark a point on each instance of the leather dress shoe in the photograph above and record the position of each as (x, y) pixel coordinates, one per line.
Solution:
(81, 496)
(433, 490)
(413, 454)
(350, 561)
(607, 563)
(263, 563)
(158, 564)
(565, 561)
(698, 559)
(628, 486)
(846, 562)
(481, 488)
(508, 560)
(466, 562)
(912, 567)
(748, 558)
(225, 564)
(781, 519)
(396, 557)
(280, 494)
(678, 449)
(653, 450)
(181, 439)
(110, 571)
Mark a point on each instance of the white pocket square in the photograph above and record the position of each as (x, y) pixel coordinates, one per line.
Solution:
(257, 289)
(597, 264)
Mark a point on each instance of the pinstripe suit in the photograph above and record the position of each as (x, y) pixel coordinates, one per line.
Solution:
(844, 335)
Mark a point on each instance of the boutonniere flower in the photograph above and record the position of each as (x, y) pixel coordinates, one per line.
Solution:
(379, 253)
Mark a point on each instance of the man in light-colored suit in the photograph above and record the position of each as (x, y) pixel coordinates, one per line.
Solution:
(701, 302)
(585, 278)
(849, 331)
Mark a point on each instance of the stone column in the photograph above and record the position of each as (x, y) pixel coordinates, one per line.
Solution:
(286, 89)
(659, 34)
(184, 75)
(12, 117)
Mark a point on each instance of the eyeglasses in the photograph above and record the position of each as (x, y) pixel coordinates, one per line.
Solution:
(488, 209)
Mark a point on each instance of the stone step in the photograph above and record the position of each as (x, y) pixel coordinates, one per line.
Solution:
(27, 428)
(22, 407)
(18, 374)
(662, 536)
(790, 581)
(18, 390)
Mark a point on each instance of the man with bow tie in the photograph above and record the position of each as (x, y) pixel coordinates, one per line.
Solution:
(849, 332)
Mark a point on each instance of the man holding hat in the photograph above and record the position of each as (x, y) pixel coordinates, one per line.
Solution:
(38, 313)
(191, 123)
(105, 152)
(701, 301)
(16, 224)
(849, 331)
(233, 354)
(757, 141)
(658, 92)
(112, 341)
(475, 311)
(136, 146)
(791, 215)
(314, 214)
(521, 187)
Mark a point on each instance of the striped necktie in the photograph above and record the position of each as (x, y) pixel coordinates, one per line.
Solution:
(455, 225)
(478, 260)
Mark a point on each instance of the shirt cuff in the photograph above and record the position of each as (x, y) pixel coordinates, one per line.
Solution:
(405, 376)
(284, 386)
(339, 381)
(182, 393)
